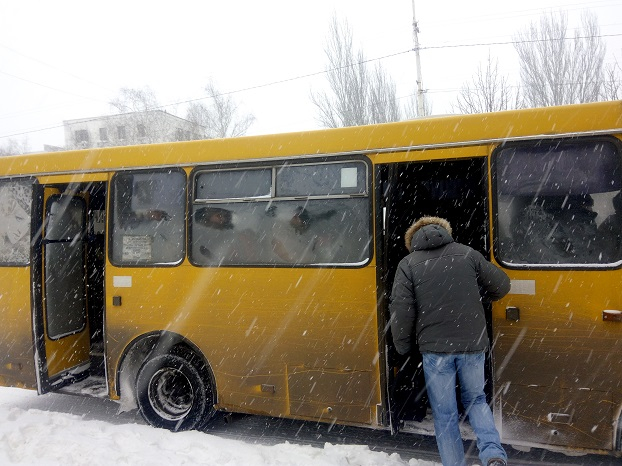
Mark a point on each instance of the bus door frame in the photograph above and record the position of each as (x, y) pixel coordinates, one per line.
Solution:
(394, 206)
(73, 345)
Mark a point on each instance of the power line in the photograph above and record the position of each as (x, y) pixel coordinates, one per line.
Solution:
(48, 87)
(283, 81)
(309, 75)
(515, 86)
(514, 42)
(52, 67)
(250, 88)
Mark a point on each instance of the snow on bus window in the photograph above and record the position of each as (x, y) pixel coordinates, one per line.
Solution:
(15, 207)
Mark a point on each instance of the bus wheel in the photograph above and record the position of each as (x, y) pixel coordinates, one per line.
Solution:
(174, 392)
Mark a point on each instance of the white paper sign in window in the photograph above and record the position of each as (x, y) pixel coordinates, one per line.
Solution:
(137, 248)
(349, 177)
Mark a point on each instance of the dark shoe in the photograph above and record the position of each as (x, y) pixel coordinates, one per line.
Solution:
(496, 462)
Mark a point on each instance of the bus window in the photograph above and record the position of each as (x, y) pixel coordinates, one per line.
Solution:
(15, 206)
(65, 285)
(234, 184)
(557, 202)
(321, 179)
(318, 231)
(322, 219)
(148, 219)
(226, 233)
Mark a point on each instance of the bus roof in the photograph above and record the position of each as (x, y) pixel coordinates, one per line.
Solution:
(430, 132)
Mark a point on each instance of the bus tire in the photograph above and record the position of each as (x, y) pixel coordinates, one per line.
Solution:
(174, 392)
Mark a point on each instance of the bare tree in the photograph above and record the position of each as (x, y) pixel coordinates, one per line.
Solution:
(556, 69)
(488, 91)
(411, 109)
(612, 86)
(383, 104)
(14, 147)
(220, 118)
(357, 95)
(135, 100)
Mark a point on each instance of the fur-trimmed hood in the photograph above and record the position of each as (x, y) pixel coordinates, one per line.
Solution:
(428, 233)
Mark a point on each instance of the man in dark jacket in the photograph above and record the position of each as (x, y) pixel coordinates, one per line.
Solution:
(436, 303)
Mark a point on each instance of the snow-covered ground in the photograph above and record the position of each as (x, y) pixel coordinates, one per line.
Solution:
(45, 431)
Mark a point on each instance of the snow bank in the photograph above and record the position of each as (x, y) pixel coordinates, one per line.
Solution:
(30, 436)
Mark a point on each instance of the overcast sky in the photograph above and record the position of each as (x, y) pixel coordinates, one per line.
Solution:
(67, 59)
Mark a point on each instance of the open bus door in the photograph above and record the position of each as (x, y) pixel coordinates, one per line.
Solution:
(63, 339)
(453, 189)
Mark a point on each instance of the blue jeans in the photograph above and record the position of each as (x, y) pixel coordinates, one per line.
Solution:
(440, 377)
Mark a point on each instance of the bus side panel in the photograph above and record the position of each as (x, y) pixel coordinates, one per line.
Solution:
(558, 345)
(558, 365)
(280, 341)
(575, 417)
(330, 394)
(16, 349)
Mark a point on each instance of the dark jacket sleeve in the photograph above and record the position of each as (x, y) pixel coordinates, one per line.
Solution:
(403, 309)
(492, 280)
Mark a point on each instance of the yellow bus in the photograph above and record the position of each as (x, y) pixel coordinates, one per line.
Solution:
(252, 274)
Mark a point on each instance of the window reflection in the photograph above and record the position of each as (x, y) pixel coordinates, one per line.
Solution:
(327, 231)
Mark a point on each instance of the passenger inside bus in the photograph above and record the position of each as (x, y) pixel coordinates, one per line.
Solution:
(557, 230)
(214, 217)
(228, 237)
(301, 239)
(129, 217)
(283, 232)
(611, 229)
(148, 217)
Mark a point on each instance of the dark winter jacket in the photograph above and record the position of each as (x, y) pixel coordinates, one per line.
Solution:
(437, 295)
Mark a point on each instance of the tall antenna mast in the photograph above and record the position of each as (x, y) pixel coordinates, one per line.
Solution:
(420, 103)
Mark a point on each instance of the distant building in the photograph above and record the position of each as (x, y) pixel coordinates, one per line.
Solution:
(50, 148)
(127, 129)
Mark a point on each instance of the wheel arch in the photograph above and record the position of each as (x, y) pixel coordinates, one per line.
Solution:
(142, 348)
